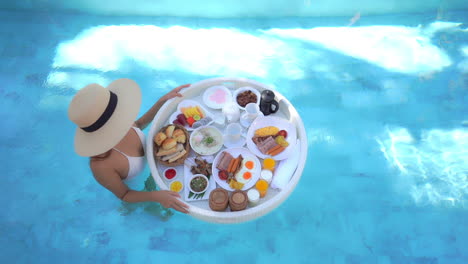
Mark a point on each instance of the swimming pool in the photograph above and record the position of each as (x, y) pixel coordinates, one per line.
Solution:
(384, 102)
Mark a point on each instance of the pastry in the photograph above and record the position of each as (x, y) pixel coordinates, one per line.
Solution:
(177, 133)
(179, 136)
(159, 138)
(169, 143)
(170, 131)
(181, 139)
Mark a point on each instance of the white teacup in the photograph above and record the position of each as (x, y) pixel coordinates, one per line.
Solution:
(251, 112)
(233, 132)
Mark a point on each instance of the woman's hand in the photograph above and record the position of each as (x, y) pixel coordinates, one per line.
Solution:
(169, 199)
(150, 114)
(174, 93)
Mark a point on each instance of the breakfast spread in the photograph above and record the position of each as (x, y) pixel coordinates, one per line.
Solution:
(235, 179)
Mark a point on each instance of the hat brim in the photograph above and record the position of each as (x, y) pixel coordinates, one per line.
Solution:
(89, 144)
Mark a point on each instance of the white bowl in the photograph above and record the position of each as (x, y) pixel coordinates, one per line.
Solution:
(199, 175)
(243, 89)
(212, 131)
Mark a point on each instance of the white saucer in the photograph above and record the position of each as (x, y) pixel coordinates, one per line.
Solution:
(228, 144)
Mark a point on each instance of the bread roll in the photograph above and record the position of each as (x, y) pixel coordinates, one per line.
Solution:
(181, 139)
(179, 136)
(159, 138)
(169, 143)
(177, 133)
(169, 131)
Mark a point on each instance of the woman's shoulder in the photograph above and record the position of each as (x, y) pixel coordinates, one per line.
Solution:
(99, 166)
(103, 170)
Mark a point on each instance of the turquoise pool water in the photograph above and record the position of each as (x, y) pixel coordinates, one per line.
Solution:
(384, 103)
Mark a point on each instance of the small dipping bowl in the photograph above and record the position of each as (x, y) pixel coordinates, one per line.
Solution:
(176, 186)
(170, 173)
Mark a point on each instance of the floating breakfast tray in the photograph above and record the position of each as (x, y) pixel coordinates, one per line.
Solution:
(200, 208)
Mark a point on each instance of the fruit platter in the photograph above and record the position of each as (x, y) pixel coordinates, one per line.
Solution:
(228, 183)
(191, 115)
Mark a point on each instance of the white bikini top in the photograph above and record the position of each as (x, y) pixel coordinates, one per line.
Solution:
(136, 164)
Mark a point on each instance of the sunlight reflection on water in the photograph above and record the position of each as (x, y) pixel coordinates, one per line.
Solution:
(434, 168)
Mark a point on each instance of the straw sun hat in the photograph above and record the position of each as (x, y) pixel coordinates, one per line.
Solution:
(103, 115)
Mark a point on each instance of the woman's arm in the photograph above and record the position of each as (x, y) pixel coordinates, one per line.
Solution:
(110, 179)
(144, 120)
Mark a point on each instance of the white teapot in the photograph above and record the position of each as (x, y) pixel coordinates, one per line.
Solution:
(232, 112)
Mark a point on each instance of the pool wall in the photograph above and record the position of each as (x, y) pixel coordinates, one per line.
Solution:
(237, 8)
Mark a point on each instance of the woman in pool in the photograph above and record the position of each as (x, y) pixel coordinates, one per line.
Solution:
(108, 133)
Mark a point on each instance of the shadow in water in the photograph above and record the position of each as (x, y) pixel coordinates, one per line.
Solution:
(151, 208)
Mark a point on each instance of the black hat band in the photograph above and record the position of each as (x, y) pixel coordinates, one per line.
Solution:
(106, 115)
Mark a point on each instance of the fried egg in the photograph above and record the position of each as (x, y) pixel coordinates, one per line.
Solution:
(245, 173)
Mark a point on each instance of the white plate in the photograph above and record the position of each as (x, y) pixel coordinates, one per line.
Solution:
(188, 175)
(210, 94)
(187, 103)
(235, 152)
(282, 124)
(215, 132)
(243, 89)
